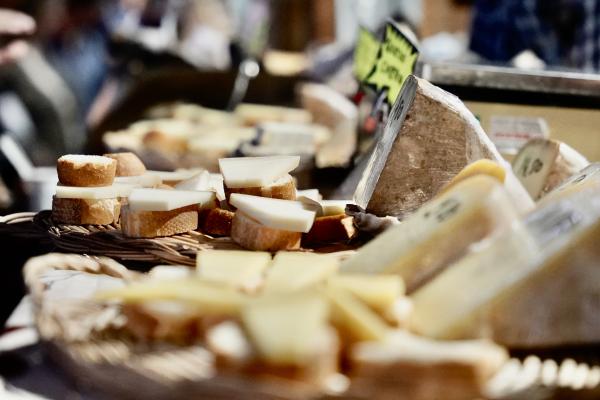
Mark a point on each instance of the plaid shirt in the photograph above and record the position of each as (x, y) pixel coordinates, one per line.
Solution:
(561, 32)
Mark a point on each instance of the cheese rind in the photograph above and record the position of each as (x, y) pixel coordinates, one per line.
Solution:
(256, 171)
(167, 200)
(437, 234)
(275, 213)
(233, 267)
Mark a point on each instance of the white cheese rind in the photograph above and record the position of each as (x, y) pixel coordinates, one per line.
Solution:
(286, 215)
(167, 200)
(256, 171)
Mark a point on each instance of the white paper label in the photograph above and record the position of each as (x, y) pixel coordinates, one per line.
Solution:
(510, 133)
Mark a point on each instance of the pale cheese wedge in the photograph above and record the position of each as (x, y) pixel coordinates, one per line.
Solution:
(256, 171)
(233, 267)
(291, 271)
(172, 176)
(377, 291)
(312, 194)
(199, 182)
(439, 233)
(586, 178)
(146, 180)
(88, 193)
(275, 213)
(287, 329)
(167, 200)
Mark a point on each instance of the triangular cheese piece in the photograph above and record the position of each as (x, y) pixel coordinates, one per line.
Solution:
(167, 200)
(256, 171)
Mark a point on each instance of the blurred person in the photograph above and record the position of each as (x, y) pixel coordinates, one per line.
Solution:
(562, 33)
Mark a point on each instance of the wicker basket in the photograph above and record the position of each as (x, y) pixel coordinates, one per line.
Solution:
(84, 338)
(107, 240)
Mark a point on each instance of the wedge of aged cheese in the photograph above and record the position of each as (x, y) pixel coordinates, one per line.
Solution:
(438, 234)
(543, 164)
(409, 366)
(292, 271)
(587, 178)
(275, 213)
(429, 138)
(503, 173)
(286, 329)
(377, 291)
(355, 320)
(256, 171)
(167, 200)
(233, 267)
(507, 289)
(209, 297)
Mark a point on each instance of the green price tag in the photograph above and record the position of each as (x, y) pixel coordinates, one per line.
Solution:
(397, 59)
(365, 54)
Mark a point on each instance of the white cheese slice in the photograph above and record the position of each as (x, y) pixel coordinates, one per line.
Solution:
(200, 181)
(312, 194)
(165, 272)
(441, 231)
(292, 271)
(256, 171)
(167, 200)
(286, 215)
(234, 267)
(145, 180)
(586, 178)
(216, 185)
(334, 207)
(173, 176)
(94, 193)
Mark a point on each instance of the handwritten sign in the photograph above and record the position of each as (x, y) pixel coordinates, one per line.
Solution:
(365, 54)
(396, 61)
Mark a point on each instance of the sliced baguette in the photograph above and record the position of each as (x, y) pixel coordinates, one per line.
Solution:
(331, 229)
(150, 224)
(253, 236)
(85, 211)
(84, 171)
(128, 164)
(283, 188)
(164, 143)
(215, 221)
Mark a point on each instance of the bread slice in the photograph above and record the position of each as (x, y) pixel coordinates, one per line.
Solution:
(253, 236)
(83, 170)
(85, 211)
(331, 229)
(128, 164)
(283, 188)
(150, 224)
(215, 221)
(164, 143)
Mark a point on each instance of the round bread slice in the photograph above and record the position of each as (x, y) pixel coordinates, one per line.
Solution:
(165, 143)
(86, 171)
(85, 211)
(253, 236)
(150, 224)
(331, 229)
(284, 188)
(215, 221)
(128, 164)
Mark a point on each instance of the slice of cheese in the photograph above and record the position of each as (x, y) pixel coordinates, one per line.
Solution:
(173, 176)
(325, 208)
(88, 193)
(286, 329)
(209, 298)
(199, 182)
(377, 291)
(233, 267)
(586, 178)
(430, 137)
(543, 164)
(507, 289)
(312, 194)
(353, 318)
(438, 234)
(293, 271)
(146, 180)
(168, 200)
(275, 213)
(256, 171)
(215, 183)
(164, 272)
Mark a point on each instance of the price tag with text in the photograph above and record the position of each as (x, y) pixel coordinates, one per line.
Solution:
(396, 61)
(365, 54)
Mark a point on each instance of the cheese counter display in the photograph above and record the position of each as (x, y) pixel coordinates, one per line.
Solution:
(450, 273)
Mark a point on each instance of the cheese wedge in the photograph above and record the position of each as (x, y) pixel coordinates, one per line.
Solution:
(353, 318)
(409, 366)
(286, 329)
(586, 178)
(292, 271)
(172, 176)
(379, 292)
(210, 298)
(232, 267)
(168, 200)
(312, 194)
(275, 213)
(543, 164)
(89, 193)
(506, 290)
(146, 180)
(438, 234)
(256, 171)
(199, 182)
(430, 137)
